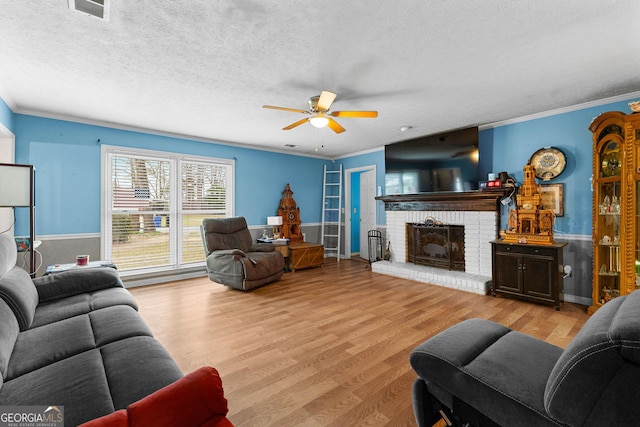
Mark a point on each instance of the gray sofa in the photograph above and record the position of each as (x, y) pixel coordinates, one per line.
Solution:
(74, 339)
(234, 259)
(482, 373)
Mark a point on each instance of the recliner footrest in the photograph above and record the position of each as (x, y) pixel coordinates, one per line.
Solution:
(498, 372)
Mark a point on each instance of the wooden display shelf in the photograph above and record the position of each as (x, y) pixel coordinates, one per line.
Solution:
(305, 255)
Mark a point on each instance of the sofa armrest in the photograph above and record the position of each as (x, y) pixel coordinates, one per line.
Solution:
(262, 247)
(226, 253)
(74, 282)
(194, 400)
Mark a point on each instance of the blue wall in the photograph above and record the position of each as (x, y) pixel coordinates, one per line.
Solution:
(66, 156)
(512, 146)
(6, 115)
(67, 160)
(509, 147)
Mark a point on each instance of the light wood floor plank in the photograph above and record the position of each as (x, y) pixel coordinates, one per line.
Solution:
(325, 346)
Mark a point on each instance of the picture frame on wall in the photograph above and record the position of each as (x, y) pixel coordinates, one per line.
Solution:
(552, 196)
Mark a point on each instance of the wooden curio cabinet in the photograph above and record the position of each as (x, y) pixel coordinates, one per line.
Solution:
(616, 193)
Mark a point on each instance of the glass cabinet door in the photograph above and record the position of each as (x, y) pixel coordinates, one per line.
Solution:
(608, 242)
(608, 252)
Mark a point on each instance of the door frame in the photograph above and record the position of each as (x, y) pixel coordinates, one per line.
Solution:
(347, 204)
(7, 155)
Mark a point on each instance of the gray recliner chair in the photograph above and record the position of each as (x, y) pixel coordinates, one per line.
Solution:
(480, 373)
(234, 260)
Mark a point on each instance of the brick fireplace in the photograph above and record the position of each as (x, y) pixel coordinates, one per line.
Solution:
(478, 212)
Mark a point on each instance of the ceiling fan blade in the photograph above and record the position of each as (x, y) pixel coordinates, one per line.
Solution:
(335, 126)
(325, 101)
(292, 125)
(356, 114)
(293, 110)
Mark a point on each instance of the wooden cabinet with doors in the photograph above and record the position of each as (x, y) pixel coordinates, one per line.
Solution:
(528, 271)
(615, 211)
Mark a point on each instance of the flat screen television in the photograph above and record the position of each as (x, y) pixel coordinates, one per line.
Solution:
(434, 163)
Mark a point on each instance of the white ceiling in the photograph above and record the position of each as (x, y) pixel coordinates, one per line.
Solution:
(203, 69)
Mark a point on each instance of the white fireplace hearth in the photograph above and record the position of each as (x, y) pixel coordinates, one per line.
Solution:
(480, 216)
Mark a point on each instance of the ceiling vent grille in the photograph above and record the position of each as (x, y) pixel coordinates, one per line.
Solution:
(96, 8)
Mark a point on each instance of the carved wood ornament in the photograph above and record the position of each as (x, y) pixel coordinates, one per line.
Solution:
(290, 214)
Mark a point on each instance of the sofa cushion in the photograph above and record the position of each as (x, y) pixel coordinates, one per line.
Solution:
(8, 334)
(74, 282)
(227, 233)
(259, 265)
(200, 391)
(599, 368)
(53, 343)
(60, 340)
(78, 383)
(19, 292)
(95, 382)
(500, 372)
(195, 400)
(136, 367)
(81, 304)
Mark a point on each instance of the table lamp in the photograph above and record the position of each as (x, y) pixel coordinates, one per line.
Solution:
(17, 189)
(276, 222)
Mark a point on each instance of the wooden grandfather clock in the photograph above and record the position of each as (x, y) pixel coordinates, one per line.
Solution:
(290, 214)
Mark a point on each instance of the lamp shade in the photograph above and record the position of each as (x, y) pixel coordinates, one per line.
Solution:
(274, 220)
(16, 185)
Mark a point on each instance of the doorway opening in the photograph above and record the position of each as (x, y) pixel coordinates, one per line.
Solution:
(360, 209)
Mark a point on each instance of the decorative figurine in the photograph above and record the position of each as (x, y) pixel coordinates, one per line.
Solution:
(529, 222)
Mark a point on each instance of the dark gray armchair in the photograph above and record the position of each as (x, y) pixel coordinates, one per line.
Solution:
(234, 260)
(484, 374)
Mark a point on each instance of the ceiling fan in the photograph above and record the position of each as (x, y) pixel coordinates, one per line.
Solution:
(319, 110)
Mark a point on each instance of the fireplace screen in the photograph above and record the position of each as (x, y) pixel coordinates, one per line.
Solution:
(436, 246)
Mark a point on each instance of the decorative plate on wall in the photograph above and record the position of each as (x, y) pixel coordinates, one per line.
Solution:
(548, 162)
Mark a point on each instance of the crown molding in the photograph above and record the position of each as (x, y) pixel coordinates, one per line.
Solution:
(111, 125)
(562, 110)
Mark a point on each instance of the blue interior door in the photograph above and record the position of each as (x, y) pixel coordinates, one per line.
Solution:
(355, 212)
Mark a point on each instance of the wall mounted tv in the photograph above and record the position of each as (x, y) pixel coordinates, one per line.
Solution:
(435, 163)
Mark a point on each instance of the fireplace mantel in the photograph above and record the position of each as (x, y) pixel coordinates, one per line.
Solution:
(486, 201)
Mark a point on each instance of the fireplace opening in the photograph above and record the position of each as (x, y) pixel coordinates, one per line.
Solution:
(440, 246)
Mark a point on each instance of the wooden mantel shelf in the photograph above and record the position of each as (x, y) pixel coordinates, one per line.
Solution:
(445, 201)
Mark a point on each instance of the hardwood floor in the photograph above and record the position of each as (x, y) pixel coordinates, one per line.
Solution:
(325, 346)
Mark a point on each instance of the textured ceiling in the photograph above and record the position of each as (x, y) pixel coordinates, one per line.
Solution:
(203, 69)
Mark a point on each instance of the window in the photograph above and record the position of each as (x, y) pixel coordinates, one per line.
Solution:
(401, 182)
(155, 203)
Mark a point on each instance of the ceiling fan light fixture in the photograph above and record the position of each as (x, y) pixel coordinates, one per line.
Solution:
(319, 121)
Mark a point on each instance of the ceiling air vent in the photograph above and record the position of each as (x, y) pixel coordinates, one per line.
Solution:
(97, 8)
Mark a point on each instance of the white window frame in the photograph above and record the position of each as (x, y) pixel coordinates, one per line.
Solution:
(175, 199)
